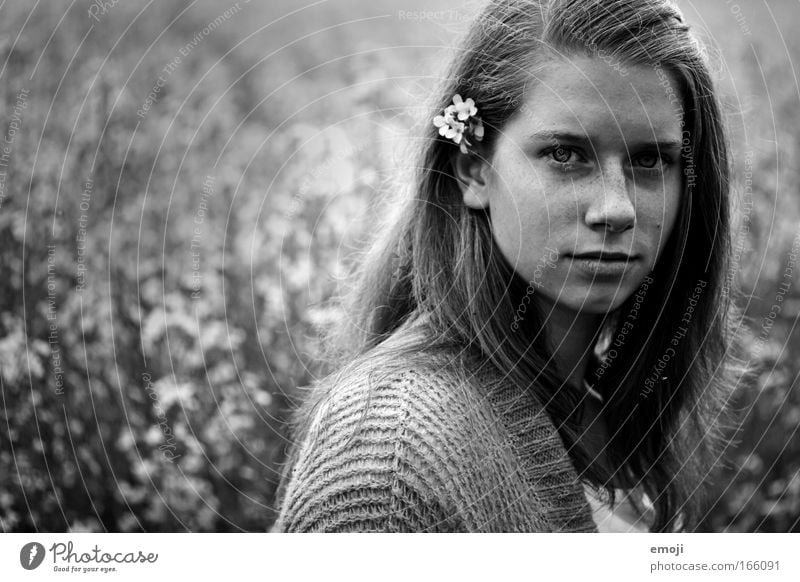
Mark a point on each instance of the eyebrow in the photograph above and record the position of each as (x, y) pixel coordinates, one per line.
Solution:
(668, 144)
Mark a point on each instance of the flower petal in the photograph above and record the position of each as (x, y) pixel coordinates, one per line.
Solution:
(473, 109)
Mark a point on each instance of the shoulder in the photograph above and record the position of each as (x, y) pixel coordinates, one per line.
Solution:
(381, 444)
(427, 395)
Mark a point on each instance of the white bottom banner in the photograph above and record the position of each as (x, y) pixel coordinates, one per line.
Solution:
(387, 557)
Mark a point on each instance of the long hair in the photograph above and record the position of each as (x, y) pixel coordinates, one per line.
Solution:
(664, 379)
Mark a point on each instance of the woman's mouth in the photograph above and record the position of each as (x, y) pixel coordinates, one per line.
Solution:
(603, 264)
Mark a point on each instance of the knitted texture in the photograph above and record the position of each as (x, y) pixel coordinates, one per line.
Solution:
(419, 449)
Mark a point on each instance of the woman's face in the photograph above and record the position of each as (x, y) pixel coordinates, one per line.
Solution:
(584, 185)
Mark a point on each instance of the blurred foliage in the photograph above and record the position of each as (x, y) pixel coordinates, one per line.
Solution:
(165, 270)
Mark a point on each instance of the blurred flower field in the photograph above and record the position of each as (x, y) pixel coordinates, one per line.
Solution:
(183, 187)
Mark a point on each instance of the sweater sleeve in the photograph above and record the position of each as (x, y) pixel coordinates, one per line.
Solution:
(360, 468)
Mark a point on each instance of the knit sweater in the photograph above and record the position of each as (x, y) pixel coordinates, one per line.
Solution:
(426, 447)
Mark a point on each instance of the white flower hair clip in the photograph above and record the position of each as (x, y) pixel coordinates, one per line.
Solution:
(460, 123)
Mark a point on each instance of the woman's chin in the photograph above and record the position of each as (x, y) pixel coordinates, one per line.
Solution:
(596, 301)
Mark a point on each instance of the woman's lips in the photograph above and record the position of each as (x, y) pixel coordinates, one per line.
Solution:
(604, 265)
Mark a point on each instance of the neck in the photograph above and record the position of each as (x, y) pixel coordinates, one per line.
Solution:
(572, 339)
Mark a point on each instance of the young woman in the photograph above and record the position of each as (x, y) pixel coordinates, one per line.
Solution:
(538, 340)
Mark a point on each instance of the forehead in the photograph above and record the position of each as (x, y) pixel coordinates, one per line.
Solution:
(602, 99)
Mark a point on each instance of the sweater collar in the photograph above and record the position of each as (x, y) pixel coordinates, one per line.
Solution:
(544, 460)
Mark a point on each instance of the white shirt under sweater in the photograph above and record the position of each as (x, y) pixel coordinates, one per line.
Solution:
(623, 518)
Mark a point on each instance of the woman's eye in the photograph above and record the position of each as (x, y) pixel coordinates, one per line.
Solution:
(651, 161)
(648, 160)
(561, 155)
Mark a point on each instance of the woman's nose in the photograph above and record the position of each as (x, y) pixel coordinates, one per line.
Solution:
(611, 200)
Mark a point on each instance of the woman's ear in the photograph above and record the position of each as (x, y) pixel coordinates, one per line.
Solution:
(472, 172)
